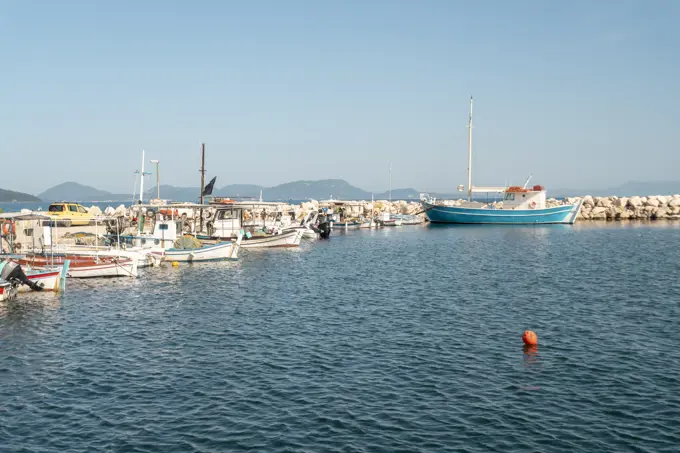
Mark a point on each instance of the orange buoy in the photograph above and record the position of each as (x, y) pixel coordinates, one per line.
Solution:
(529, 338)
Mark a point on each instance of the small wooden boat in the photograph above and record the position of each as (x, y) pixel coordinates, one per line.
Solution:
(209, 252)
(53, 279)
(84, 266)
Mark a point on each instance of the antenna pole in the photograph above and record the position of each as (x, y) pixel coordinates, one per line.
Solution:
(390, 181)
(470, 154)
(202, 169)
(141, 183)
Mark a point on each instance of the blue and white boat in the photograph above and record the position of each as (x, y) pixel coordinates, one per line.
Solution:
(520, 205)
(213, 252)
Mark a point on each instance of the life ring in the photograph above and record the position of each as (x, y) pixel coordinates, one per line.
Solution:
(9, 228)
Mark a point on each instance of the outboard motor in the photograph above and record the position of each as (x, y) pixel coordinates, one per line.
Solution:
(323, 227)
(12, 272)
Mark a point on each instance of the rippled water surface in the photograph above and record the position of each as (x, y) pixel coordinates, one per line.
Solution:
(404, 339)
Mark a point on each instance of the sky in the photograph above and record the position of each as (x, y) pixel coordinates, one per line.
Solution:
(578, 94)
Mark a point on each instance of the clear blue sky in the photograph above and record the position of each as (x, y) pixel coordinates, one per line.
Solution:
(579, 93)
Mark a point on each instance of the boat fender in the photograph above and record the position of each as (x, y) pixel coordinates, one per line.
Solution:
(246, 215)
(533, 204)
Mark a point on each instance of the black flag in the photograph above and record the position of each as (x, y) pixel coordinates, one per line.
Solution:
(209, 188)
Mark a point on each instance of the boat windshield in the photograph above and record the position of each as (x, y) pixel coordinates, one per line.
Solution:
(509, 196)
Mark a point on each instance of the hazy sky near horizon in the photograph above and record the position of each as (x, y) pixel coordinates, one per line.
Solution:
(580, 93)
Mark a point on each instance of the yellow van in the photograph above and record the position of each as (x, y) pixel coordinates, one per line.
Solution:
(69, 213)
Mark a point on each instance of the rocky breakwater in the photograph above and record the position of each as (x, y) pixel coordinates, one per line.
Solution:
(657, 207)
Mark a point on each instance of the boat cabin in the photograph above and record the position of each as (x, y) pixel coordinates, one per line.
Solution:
(516, 197)
(230, 218)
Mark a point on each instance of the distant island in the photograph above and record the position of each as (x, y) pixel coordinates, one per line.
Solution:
(8, 196)
(297, 190)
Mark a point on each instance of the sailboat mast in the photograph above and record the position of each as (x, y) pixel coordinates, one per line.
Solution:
(390, 181)
(470, 154)
(141, 183)
(202, 170)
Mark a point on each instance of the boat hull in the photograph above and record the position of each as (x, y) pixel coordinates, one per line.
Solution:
(122, 268)
(455, 214)
(345, 225)
(284, 239)
(7, 291)
(213, 252)
(49, 279)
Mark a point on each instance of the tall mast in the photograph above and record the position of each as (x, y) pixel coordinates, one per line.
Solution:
(470, 154)
(202, 169)
(390, 181)
(141, 184)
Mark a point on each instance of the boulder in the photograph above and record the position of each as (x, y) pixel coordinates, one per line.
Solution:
(674, 202)
(604, 202)
(663, 200)
(120, 210)
(588, 201)
(652, 202)
(659, 214)
(621, 202)
(625, 214)
(94, 210)
(635, 202)
(598, 213)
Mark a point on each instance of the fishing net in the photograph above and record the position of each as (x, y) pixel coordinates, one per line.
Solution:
(187, 242)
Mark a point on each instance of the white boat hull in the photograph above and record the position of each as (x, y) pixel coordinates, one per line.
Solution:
(49, 279)
(307, 233)
(285, 239)
(144, 257)
(123, 268)
(215, 252)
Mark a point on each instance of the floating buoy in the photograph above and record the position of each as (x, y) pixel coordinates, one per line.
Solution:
(175, 264)
(529, 338)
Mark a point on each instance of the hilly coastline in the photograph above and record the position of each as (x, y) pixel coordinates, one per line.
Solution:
(8, 196)
(297, 190)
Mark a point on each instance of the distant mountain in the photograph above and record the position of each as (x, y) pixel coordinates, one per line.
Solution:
(193, 193)
(72, 191)
(298, 190)
(10, 195)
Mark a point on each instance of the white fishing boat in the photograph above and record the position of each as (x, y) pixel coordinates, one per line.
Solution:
(233, 218)
(53, 279)
(306, 226)
(387, 219)
(209, 252)
(109, 268)
(82, 266)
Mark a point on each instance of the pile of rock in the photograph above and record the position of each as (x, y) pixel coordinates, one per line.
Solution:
(658, 207)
